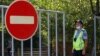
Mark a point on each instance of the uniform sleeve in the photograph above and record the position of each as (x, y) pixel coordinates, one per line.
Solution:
(85, 36)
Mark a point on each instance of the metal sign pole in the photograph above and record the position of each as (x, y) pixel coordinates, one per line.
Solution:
(12, 47)
(22, 48)
(31, 49)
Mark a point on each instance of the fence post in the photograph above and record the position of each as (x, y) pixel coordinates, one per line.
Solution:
(56, 34)
(48, 33)
(94, 36)
(40, 34)
(2, 12)
(64, 39)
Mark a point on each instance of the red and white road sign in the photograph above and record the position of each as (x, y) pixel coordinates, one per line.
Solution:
(21, 20)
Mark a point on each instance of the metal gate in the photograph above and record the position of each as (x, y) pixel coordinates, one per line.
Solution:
(48, 15)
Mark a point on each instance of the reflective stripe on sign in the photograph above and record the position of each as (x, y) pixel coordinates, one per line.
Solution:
(21, 20)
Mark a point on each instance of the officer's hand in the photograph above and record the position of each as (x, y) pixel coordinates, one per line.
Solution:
(83, 52)
(72, 51)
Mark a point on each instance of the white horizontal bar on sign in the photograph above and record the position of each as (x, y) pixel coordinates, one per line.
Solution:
(21, 20)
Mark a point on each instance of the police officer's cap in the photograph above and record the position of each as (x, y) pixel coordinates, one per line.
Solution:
(79, 21)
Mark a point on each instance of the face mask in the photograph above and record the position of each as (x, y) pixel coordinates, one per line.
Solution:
(78, 27)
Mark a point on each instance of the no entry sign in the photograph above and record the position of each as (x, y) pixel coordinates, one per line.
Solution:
(21, 20)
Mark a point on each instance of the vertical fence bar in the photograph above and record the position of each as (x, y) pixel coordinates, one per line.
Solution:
(56, 34)
(22, 48)
(48, 33)
(64, 40)
(12, 49)
(2, 12)
(94, 35)
(31, 49)
(40, 34)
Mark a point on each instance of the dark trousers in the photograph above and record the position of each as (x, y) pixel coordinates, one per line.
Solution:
(77, 53)
(9, 49)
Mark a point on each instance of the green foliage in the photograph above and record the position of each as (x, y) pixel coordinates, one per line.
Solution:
(74, 9)
(5, 2)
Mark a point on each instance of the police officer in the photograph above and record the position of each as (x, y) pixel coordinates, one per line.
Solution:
(79, 40)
